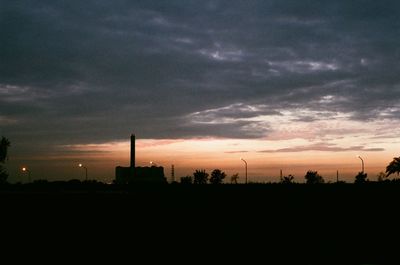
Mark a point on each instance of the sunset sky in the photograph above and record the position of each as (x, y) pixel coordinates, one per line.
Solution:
(291, 85)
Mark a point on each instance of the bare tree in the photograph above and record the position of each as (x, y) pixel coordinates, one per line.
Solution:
(234, 178)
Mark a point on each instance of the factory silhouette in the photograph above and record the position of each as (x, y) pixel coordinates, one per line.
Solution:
(134, 174)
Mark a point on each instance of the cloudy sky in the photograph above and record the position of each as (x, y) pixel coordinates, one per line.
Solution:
(290, 85)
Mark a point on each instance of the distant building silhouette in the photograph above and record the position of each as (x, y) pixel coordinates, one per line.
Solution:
(133, 174)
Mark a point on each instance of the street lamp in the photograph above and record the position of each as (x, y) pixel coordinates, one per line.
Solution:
(362, 164)
(245, 163)
(152, 164)
(25, 169)
(80, 165)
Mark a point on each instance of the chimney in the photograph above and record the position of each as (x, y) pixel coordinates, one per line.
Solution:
(133, 151)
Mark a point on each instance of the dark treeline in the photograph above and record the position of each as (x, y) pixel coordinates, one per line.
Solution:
(312, 178)
(297, 222)
(217, 176)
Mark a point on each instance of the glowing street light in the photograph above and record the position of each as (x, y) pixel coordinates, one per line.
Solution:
(80, 165)
(362, 164)
(152, 164)
(245, 163)
(25, 169)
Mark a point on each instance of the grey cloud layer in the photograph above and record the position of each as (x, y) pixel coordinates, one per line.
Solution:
(322, 147)
(78, 71)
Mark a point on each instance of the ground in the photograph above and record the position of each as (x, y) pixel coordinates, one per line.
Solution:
(299, 221)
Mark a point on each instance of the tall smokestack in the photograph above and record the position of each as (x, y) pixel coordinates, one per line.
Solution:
(133, 139)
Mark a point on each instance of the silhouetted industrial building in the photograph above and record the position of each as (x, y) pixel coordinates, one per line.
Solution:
(133, 174)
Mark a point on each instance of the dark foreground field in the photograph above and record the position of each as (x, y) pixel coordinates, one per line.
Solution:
(321, 223)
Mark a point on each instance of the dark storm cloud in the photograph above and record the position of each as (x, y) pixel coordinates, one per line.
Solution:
(79, 71)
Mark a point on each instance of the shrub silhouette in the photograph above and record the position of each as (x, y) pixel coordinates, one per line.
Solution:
(187, 180)
(287, 179)
(200, 176)
(217, 176)
(312, 177)
(361, 178)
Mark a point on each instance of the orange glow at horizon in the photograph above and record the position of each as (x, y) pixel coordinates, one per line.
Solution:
(210, 153)
(292, 146)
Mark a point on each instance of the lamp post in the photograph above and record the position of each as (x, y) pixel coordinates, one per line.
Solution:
(362, 164)
(25, 169)
(245, 163)
(80, 165)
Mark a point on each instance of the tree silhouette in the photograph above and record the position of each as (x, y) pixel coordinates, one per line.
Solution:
(361, 178)
(381, 177)
(287, 179)
(4, 145)
(217, 176)
(312, 177)
(234, 178)
(393, 167)
(200, 176)
(187, 180)
(3, 175)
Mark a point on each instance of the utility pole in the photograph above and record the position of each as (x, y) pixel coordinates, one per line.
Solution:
(86, 174)
(245, 162)
(362, 164)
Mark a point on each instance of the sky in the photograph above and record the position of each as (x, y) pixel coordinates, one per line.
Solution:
(286, 85)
